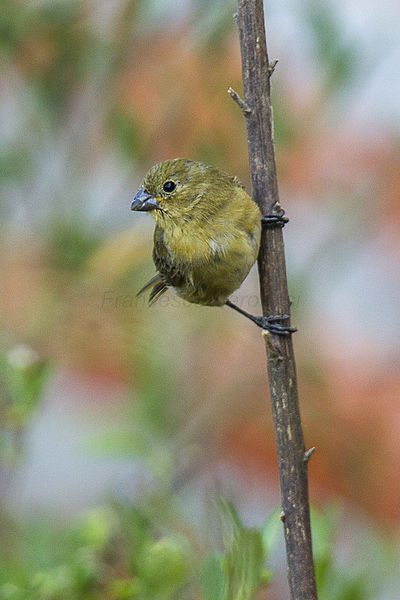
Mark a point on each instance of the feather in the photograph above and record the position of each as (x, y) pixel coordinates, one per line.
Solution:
(159, 287)
(158, 290)
(154, 280)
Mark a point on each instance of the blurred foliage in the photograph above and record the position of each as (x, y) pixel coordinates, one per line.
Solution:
(14, 162)
(150, 549)
(338, 56)
(23, 376)
(118, 553)
(358, 576)
(125, 128)
(121, 552)
(51, 48)
(71, 244)
(240, 572)
(127, 79)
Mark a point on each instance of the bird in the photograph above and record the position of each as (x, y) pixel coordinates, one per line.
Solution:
(206, 237)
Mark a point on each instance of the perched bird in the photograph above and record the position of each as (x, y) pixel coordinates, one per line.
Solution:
(207, 233)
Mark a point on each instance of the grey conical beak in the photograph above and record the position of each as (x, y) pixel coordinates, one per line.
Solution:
(143, 201)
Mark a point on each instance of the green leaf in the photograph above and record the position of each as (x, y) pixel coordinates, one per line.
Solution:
(244, 560)
(164, 565)
(213, 583)
(271, 531)
(125, 589)
(96, 528)
(24, 377)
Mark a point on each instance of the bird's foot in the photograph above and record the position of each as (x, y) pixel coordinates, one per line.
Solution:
(276, 220)
(269, 324)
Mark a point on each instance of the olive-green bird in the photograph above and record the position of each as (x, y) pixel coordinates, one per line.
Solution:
(207, 233)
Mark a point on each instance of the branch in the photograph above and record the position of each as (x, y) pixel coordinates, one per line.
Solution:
(292, 456)
(245, 108)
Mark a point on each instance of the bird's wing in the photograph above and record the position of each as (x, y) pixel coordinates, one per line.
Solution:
(168, 273)
(169, 270)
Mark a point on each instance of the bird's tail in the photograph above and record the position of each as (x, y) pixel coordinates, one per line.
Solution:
(158, 285)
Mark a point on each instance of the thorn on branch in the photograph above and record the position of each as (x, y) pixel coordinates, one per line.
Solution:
(308, 454)
(245, 108)
(271, 66)
(282, 516)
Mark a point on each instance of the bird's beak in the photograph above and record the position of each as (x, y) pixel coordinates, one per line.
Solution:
(144, 201)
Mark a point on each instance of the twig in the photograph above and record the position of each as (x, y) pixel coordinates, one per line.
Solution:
(292, 456)
(271, 66)
(245, 108)
(308, 454)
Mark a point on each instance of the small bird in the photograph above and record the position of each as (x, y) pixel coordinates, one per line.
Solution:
(207, 233)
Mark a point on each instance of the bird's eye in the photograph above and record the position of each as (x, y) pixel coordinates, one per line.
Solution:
(169, 186)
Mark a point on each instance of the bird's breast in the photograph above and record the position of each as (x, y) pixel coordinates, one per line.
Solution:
(186, 245)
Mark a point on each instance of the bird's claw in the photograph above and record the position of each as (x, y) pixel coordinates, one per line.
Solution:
(268, 323)
(278, 220)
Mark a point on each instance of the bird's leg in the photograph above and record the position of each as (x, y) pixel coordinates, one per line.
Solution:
(265, 322)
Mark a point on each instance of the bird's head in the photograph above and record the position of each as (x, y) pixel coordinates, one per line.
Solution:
(182, 190)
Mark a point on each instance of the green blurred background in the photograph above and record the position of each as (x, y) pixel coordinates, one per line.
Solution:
(137, 452)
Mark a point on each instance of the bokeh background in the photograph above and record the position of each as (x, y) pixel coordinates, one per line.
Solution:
(137, 448)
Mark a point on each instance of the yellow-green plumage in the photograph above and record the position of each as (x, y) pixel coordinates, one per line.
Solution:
(207, 233)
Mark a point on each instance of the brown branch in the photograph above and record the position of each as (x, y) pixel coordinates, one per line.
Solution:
(292, 457)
